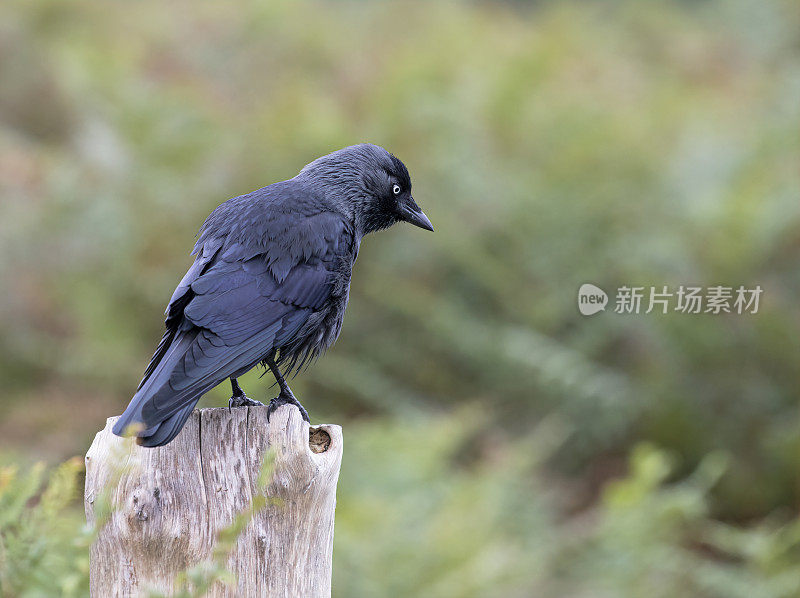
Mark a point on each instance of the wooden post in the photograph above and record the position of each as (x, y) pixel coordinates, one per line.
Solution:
(169, 503)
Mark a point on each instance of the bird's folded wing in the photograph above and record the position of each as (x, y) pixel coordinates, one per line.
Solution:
(241, 304)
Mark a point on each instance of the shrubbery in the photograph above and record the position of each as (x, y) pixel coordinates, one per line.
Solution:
(437, 509)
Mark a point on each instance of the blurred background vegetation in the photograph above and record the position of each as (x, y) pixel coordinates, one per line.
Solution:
(498, 443)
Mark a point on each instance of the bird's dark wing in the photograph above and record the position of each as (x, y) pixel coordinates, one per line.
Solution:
(238, 302)
(180, 298)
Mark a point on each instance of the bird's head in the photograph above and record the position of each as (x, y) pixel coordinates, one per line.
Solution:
(371, 184)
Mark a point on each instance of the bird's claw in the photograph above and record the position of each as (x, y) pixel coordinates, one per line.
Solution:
(243, 400)
(285, 399)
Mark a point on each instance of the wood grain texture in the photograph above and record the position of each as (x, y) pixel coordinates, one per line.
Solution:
(171, 501)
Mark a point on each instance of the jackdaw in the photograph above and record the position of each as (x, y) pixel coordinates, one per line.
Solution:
(269, 284)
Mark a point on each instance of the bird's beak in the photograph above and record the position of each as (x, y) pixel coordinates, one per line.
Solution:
(412, 214)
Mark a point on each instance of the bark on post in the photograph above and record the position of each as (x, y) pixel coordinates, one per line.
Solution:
(171, 501)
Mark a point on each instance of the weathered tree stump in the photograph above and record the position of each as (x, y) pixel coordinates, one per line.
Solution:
(168, 504)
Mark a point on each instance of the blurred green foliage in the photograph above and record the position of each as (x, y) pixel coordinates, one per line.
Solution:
(551, 143)
(42, 552)
(437, 509)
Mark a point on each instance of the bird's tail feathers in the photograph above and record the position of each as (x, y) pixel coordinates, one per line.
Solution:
(153, 384)
(163, 407)
(168, 429)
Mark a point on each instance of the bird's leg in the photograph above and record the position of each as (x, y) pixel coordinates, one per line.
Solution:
(239, 399)
(285, 397)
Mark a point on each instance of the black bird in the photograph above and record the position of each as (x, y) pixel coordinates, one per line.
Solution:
(269, 284)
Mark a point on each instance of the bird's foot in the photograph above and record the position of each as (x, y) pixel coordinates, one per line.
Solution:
(242, 400)
(286, 399)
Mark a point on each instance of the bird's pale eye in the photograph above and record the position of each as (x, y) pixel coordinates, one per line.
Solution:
(396, 189)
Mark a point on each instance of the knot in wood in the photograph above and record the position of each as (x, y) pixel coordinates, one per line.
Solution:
(319, 440)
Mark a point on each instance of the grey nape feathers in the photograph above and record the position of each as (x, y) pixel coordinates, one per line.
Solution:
(269, 284)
